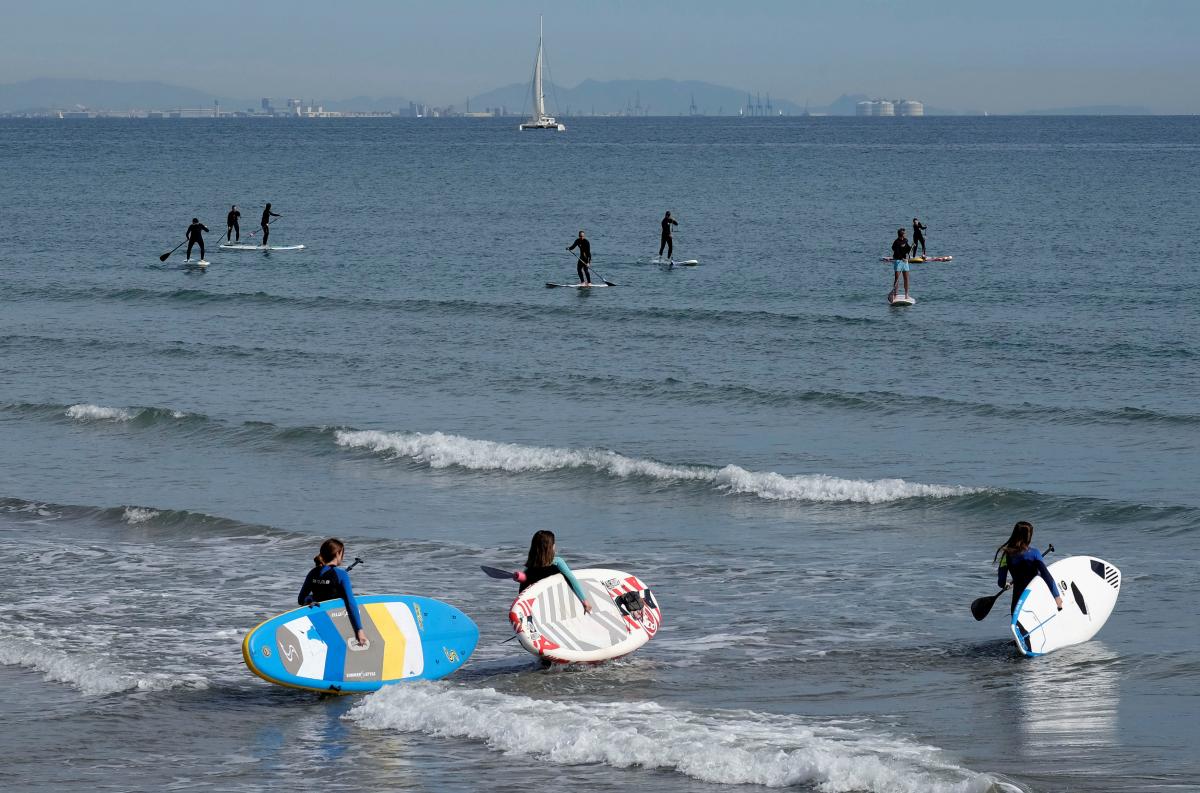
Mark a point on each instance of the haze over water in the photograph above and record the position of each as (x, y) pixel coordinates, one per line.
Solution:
(812, 482)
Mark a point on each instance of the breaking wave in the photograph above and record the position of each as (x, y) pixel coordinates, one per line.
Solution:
(91, 676)
(442, 450)
(723, 747)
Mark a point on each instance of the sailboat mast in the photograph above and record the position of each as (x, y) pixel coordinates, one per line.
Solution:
(539, 99)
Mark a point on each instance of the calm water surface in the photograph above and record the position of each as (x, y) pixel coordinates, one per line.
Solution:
(812, 482)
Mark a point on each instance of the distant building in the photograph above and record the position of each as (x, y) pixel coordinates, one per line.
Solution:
(266, 104)
(875, 107)
(909, 107)
(191, 112)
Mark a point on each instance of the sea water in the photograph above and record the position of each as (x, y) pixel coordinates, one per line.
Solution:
(812, 482)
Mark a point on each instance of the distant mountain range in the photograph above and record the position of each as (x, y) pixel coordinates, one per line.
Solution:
(649, 97)
(55, 94)
(47, 94)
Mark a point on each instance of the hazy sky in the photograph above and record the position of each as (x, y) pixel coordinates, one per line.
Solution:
(958, 54)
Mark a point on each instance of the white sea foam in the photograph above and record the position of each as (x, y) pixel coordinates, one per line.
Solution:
(725, 747)
(136, 515)
(91, 675)
(441, 450)
(99, 413)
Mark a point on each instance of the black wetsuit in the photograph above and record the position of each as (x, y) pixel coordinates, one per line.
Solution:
(900, 249)
(194, 237)
(585, 258)
(266, 224)
(232, 227)
(918, 237)
(665, 240)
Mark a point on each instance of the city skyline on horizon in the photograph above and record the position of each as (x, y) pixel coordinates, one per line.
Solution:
(1009, 60)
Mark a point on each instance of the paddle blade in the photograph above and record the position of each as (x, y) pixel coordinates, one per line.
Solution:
(496, 572)
(981, 606)
(165, 256)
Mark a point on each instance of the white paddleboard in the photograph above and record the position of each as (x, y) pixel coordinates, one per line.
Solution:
(575, 286)
(900, 300)
(201, 263)
(239, 246)
(676, 262)
(1089, 588)
(550, 623)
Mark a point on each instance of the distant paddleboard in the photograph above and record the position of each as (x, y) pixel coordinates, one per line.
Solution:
(575, 286)
(900, 300)
(408, 638)
(920, 259)
(201, 263)
(550, 623)
(676, 262)
(237, 246)
(1089, 588)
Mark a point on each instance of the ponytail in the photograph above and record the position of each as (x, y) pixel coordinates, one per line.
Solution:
(329, 551)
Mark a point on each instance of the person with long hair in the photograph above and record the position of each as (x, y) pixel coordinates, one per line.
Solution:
(328, 581)
(1018, 557)
(543, 562)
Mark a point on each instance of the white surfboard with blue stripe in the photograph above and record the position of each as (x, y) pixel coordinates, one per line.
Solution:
(1089, 589)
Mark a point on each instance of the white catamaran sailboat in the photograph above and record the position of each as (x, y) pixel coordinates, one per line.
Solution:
(540, 120)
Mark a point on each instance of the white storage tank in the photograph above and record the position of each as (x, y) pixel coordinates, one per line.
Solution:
(911, 107)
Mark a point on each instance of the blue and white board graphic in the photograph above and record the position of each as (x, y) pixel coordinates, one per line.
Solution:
(1089, 588)
(408, 638)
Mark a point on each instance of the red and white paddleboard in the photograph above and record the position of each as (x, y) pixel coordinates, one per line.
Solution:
(549, 620)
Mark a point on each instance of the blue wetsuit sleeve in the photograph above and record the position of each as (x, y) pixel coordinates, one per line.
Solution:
(348, 596)
(571, 579)
(1044, 572)
(304, 598)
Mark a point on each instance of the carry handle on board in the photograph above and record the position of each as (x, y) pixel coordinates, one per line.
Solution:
(980, 607)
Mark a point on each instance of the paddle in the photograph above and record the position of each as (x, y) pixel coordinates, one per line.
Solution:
(357, 562)
(980, 607)
(273, 222)
(167, 255)
(496, 572)
(578, 258)
(602, 278)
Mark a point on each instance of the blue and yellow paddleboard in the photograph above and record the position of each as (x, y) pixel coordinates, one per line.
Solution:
(408, 638)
